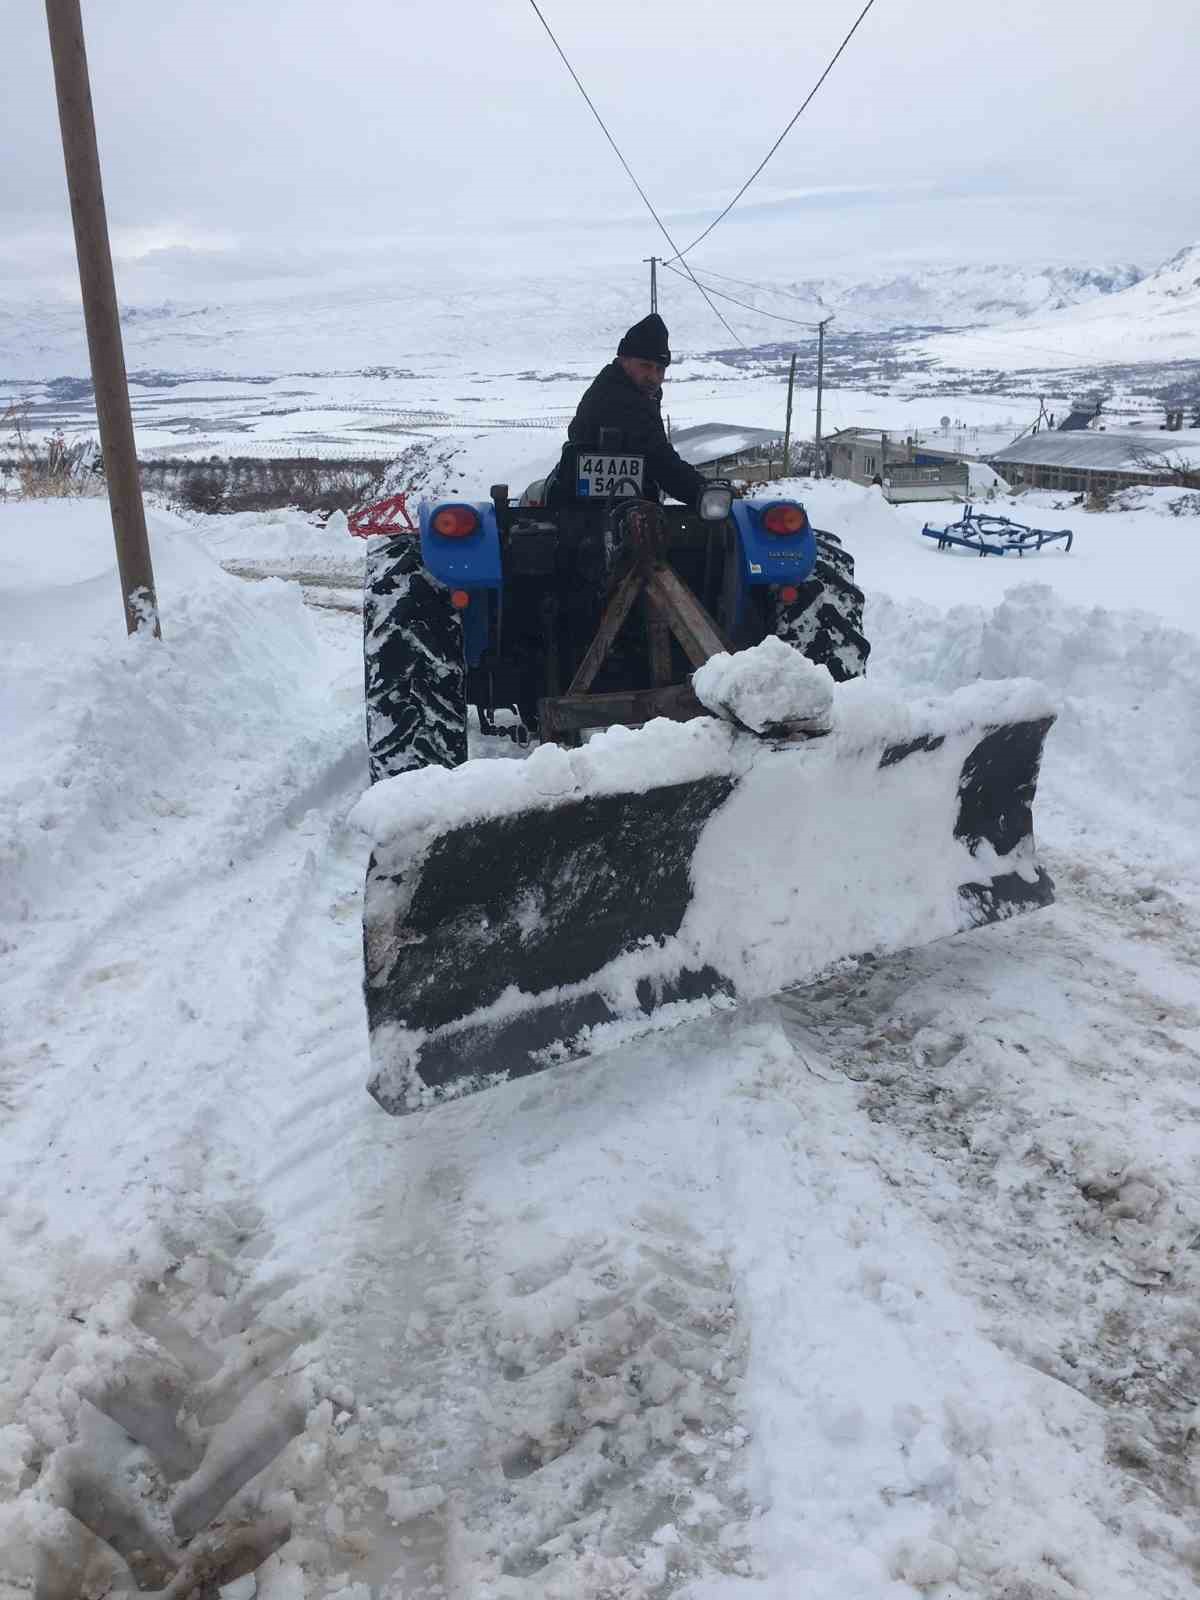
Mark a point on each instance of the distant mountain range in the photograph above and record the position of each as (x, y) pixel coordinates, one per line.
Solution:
(1154, 319)
(484, 318)
(950, 297)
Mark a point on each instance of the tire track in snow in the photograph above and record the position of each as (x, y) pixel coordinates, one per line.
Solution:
(1034, 1088)
(540, 1398)
(167, 1436)
(181, 998)
(173, 990)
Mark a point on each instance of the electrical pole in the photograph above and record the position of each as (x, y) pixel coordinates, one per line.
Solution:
(100, 313)
(820, 465)
(787, 426)
(653, 260)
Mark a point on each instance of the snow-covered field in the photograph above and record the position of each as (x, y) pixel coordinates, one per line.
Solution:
(880, 1289)
(365, 371)
(482, 306)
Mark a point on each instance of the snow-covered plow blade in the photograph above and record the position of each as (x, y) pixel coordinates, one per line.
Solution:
(520, 914)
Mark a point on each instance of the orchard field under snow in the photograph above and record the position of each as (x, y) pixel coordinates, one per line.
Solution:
(882, 1288)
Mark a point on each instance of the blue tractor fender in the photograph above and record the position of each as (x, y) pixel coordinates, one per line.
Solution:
(468, 563)
(766, 557)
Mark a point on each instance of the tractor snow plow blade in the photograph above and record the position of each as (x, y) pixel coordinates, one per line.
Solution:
(520, 914)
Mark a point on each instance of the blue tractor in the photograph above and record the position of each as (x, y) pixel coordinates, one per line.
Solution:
(581, 604)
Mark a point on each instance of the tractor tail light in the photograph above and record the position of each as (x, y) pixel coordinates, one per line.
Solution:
(455, 522)
(784, 520)
(459, 599)
(789, 594)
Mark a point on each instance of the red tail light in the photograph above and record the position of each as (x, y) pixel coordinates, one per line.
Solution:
(783, 520)
(455, 522)
(459, 599)
(789, 594)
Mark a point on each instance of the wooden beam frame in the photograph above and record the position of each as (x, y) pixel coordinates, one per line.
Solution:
(669, 606)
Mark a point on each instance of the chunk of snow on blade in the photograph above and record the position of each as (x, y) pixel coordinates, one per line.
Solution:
(769, 686)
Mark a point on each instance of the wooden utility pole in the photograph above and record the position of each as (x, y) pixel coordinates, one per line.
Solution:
(787, 426)
(820, 462)
(653, 260)
(100, 313)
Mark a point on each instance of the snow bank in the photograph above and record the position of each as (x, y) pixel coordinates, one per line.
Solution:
(460, 463)
(1112, 630)
(284, 542)
(1122, 768)
(1138, 558)
(1159, 502)
(99, 728)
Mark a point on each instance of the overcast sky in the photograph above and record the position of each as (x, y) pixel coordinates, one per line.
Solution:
(247, 142)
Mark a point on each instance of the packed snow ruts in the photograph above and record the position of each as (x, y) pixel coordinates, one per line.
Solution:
(973, 1162)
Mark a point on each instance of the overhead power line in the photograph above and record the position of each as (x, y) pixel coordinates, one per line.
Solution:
(722, 295)
(812, 94)
(629, 171)
(766, 288)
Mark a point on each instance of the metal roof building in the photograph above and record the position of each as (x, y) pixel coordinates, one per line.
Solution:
(1085, 461)
(709, 444)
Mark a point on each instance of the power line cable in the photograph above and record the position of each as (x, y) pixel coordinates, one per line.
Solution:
(766, 288)
(721, 295)
(812, 93)
(629, 170)
(963, 333)
(949, 333)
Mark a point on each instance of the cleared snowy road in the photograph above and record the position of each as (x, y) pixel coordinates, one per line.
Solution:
(884, 1289)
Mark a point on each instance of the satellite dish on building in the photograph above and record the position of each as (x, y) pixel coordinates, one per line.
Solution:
(945, 424)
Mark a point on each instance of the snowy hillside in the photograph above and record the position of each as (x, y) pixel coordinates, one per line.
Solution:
(1156, 319)
(474, 312)
(882, 1290)
(952, 296)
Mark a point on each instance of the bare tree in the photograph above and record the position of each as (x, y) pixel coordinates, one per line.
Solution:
(1168, 470)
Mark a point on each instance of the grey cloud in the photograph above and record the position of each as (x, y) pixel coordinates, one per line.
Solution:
(345, 138)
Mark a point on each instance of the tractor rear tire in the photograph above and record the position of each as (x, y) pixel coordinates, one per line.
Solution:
(413, 663)
(825, 622)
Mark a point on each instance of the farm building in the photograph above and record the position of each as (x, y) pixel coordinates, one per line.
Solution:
(905, 471)
(861, 454)
(725, 449)
(1082, 461)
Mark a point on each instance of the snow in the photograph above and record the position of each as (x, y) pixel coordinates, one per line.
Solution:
(1137, 560)
(985, 480)
(1152, 319)
(880, 1289)
(480, 307)
(289, 540)
(826, 822)
(767, 687)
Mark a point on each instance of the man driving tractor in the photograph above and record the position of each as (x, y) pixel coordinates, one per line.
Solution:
(626, 397)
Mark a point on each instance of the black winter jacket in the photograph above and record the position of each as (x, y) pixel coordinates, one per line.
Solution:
(613, 400)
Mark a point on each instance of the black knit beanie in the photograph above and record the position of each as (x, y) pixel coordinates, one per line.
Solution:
(648, 339)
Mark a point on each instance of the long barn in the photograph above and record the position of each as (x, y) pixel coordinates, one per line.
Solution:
(1081, 461)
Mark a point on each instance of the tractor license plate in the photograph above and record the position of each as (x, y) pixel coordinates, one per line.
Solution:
(601, 475)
